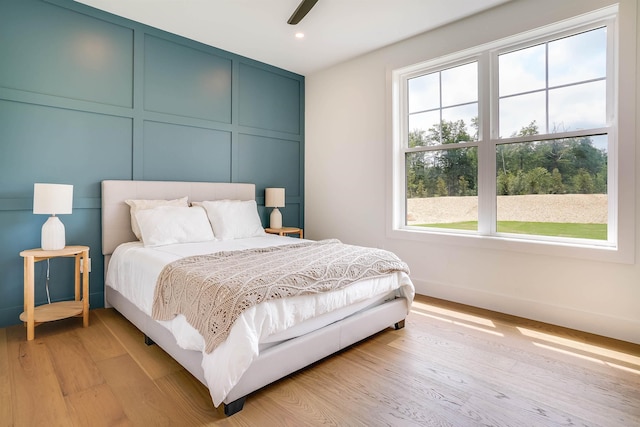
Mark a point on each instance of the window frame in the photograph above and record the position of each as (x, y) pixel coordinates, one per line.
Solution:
(614, 249)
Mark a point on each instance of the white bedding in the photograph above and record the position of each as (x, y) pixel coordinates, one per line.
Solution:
(134, 269)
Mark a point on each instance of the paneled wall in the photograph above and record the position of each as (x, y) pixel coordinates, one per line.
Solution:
(87, 96)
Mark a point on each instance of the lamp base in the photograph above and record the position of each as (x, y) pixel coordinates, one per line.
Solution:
(52, 237)
(275, 220)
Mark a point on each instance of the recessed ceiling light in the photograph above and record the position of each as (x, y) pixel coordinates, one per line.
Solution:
(299, 35)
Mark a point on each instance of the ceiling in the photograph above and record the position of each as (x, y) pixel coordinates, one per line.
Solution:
(335, 30)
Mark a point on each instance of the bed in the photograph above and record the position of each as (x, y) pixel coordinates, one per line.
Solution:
(271, 355)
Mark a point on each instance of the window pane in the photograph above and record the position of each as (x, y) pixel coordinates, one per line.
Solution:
(423, 129)
(442, 188)
(553, 188)
(466, 118)
(581, 106)
(424, 93)
(522, 71)
(517, 113)
(578, 58)
(460, 85)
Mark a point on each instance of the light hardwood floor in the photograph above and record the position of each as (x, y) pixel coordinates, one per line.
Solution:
(451, 365)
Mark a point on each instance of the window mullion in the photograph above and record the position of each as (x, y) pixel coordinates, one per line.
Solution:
(487, 88)
(546, 84)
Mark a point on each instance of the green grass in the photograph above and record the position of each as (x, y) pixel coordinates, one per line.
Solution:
(556, 229)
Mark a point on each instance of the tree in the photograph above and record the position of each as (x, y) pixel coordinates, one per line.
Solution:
(557, 187)
(600, 182)
(538, 181)
(517, 183)
(530, 129)
(587, 156)
(457, 162)
(441, 188)
(417, 138)
(553, 166)
(502, 183)
(463, 186)
(562, 159)
(582, 182)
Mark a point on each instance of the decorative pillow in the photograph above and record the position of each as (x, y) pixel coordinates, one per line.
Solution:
(221, 200)
(166, 225)
(138, 205)
(234, 219)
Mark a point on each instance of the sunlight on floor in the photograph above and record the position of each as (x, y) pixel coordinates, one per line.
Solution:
(566, 346)
(584, 357)
(582, 347)
(623, 357)
(455, 314)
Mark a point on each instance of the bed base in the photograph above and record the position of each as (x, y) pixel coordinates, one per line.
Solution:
(280, 360)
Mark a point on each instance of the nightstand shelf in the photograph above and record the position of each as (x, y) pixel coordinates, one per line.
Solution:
(34, 316)
(54, 311)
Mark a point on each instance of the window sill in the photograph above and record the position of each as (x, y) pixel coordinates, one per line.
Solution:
(578, 249)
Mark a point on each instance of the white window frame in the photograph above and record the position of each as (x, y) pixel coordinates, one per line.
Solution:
(618, 248)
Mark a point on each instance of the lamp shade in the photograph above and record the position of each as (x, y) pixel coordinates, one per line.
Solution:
(52, 199)
(274, 197)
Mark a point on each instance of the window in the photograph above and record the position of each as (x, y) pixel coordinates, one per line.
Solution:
(442, 156)
(552, 156)
(514, 140)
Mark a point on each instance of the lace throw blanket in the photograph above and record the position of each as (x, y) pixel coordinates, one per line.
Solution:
(212, 290)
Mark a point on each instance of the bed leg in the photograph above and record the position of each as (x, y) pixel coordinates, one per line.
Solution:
(399, 325)
(148, 341)
(234, 407)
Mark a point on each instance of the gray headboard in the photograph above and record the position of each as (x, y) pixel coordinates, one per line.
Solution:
(116, 219)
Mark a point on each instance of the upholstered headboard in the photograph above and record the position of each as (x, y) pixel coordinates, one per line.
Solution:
(116, 219)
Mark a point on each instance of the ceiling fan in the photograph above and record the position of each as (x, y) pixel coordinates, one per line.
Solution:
(303, 8)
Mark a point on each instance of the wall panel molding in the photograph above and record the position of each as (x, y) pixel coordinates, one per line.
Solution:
(71, 55)
(185, 81)
(87, 96)
(269, 100)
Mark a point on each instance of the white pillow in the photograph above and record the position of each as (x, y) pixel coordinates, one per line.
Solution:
(138, 205)
(234, 219)
(166, 225)
(221, 200)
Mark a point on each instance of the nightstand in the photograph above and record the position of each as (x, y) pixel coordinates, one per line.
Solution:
(285, 231)
(33, 316)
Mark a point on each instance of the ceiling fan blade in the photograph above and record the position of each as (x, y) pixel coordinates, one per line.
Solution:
(303, 8)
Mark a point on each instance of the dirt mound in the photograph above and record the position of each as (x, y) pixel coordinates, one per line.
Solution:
(577, 208)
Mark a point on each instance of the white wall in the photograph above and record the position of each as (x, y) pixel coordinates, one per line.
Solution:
(347, 170)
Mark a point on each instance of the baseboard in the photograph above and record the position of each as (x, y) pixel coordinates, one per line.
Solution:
(568, 317)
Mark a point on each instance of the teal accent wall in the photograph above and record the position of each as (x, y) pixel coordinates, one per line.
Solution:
(87, 96)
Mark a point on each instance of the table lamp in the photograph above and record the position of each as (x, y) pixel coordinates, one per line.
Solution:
(274, 198)
(52, 199)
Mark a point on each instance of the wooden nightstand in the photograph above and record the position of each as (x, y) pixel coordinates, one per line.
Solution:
(285, 231)
(33, 316)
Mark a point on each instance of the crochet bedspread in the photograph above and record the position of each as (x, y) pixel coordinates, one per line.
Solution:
(212, 290)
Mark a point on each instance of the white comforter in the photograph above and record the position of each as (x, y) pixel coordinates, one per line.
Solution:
(133, 272)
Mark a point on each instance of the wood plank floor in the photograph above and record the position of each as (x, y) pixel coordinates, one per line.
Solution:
(452, 365)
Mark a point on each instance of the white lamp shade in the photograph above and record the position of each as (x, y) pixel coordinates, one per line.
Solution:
(52, 199)
(274, 197)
